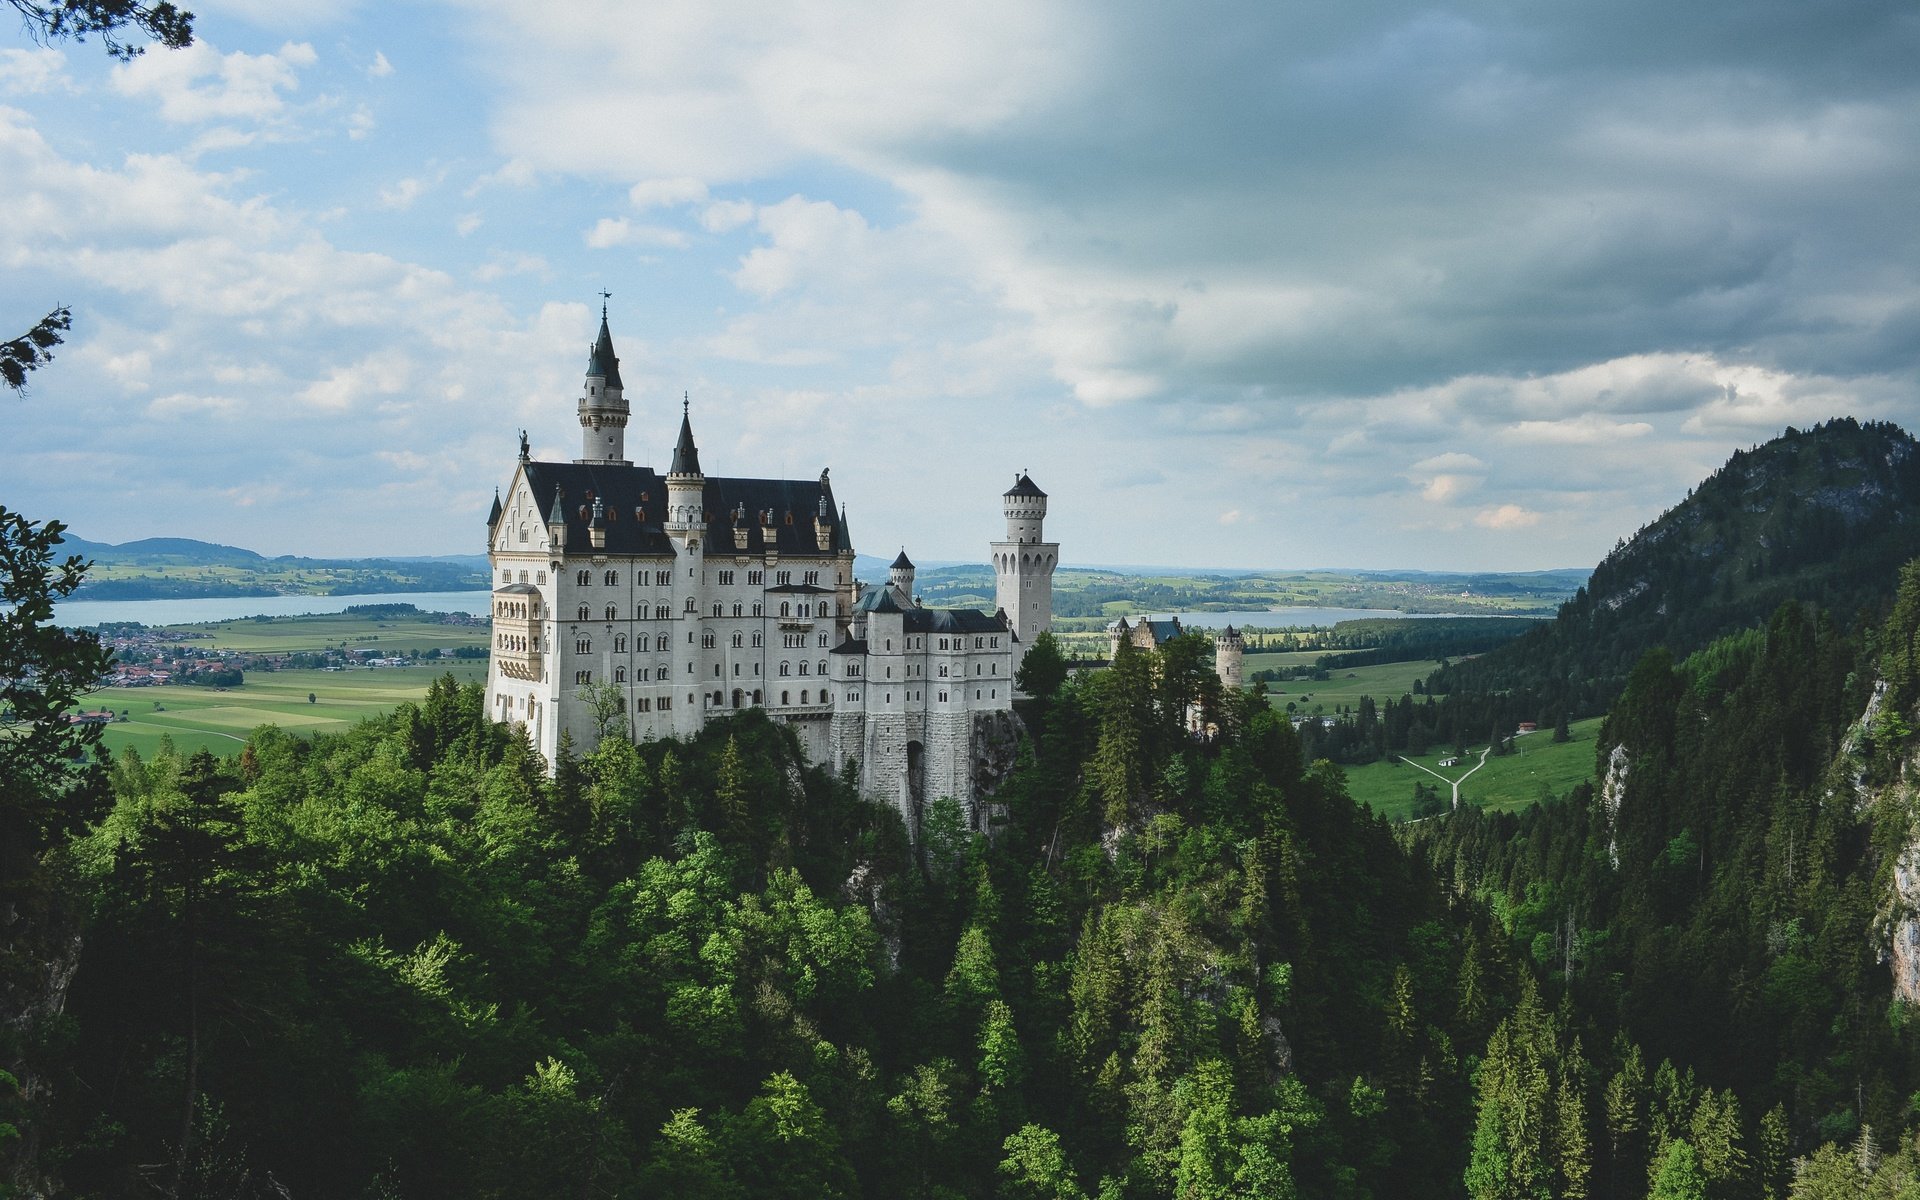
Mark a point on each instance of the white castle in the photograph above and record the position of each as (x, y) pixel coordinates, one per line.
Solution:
(668, 600)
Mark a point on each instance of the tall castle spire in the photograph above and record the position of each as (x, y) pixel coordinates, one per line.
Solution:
(603, 405)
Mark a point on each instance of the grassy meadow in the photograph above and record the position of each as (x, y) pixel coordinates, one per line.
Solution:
(220, 718)
(1506, 784)
(1383, 681)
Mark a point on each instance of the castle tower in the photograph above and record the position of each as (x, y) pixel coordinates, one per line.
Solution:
(900, 577)
(603, 404)
(686, 525)
(1229, 650)
(1023, 564)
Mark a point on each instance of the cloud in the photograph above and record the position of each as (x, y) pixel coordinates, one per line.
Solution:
(467, 223)
(610, 232)
(1506, 516)
(666, 193)
(402, 194)
(1232, 516)
(379, 68)
(198, 83)
(26, 72)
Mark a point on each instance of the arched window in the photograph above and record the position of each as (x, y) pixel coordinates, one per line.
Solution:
(659, 612)
(738, 638)
(786, 669)
(613, 614)
(757, 639)
(823, 666)
(756, 695)
(716, 608)
(805, 667)
(758, 609)
(619, 674)
(586, 614)
(803, 697)
(690, 605)
(619, 643)
(611, 578)
(706, 641)
(784, 698)
(660, 643)
(736, 608)
(784, 606)
(583, 578)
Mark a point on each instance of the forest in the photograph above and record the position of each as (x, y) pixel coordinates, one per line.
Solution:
(412, 959)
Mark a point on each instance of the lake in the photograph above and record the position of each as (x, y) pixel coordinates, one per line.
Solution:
(230, 608)
(1297, 617)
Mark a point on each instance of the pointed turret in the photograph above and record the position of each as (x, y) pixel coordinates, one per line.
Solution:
(603, 404)
(900, 576)
(557, 518)
(493, 518)
(686, 456)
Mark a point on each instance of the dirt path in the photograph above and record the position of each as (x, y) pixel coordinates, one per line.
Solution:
(1453, 783)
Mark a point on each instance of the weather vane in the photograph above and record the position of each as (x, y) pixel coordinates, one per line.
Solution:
(604, 297)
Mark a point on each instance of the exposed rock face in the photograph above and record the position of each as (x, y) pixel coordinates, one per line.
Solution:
(1280, 1051)
(863, 889)
(995, 743)
(1904, 925)
(1613, 792)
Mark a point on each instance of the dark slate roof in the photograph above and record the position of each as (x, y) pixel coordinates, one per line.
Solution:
(518, 589)
(601, 360)
(851, 646)
(493, 518)
(903, 563)
(1164, 631)
(686, 456)
(951, 620)
(878, 600)
(636, 505)
(1231, 632)
(1025, 486)
(804, 589)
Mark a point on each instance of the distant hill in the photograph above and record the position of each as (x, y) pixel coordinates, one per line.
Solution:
(185, 568)
(1825, 515)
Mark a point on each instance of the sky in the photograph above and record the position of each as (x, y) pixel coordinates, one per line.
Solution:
(1453, 286)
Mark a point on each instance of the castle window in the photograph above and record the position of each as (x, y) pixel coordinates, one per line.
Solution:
(786, 669)
(757, 639)
(661, 674)
(737, 639)
(583, 645)
(716, 670)
(783, 578)
(726, 579)
(736, 608)
(619, 643)
(659, 612)
(756, 668)
(805, 667)
(823, 666)
(619, 674)
(996, 643)
(943, 670)
(756, 695)
(943, 643)
(586, 614)
(784, 608)
(523, 535)
(611, 579)
(506, 576)
(996, 669)
(758, 609)
(613, 614)
(943, 697)
(756, 578)
(583, 677)
(736, 670)
(823, 640)
(539, 577)
(690, 605)
(716, 608)
(786, 698)
(583, 578)
(660, 643)
(812, 578)
(803, 696)
(706, 641)
(979, 643)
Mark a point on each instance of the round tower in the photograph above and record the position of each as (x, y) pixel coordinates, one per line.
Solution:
(1229, 655)
(1023, 564)
(603, 403)
(900, 577)
(686, 486)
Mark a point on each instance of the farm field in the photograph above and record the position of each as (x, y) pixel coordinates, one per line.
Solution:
(219, 719)
(1504, 784)
(282, 635)
(1383, 681)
